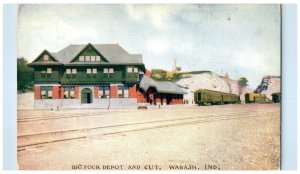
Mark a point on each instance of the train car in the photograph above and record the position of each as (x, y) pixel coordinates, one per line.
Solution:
(276, 97)
(256, 98)
(206, 97)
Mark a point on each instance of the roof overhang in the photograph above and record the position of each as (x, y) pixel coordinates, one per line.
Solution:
(33, 64)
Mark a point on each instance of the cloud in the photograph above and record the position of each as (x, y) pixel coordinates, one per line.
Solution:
(157, 45)
(158, 15)
(241, 39)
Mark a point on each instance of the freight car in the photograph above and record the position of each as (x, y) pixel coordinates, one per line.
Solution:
(256, 98)
(276, 97)
(206, 97)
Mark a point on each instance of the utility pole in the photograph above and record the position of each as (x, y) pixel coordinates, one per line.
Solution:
(174, 65)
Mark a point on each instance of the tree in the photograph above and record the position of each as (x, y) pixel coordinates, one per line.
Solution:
(25, 76)
(170, 75)
(243, 82)
(158, 74)
(177, 69)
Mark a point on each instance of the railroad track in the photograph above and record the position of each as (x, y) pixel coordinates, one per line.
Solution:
(92, 114)
(38, 113)
(53, 117)
(42, 139)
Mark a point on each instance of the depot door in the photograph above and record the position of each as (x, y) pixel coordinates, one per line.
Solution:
(86, 95)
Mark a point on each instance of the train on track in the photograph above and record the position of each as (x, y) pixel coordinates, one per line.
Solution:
(256, 98)
(276, 97)
(208, 97)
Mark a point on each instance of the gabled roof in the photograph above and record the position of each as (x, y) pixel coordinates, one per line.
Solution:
(161, 87)
(68, 53)
(113, 53)
(50, 62)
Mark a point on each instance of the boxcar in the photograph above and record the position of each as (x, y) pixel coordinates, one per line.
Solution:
(206, 97)
(276, 97)
(256, 98)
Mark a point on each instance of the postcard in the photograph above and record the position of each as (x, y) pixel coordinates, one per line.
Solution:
(148, 86)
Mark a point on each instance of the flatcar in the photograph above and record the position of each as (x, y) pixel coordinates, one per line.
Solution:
(207, 97)
(256, 98)
(276, 97)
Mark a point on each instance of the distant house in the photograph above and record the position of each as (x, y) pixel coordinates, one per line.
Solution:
(96, 76)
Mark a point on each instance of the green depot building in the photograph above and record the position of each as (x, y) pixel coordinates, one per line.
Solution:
(97, 76)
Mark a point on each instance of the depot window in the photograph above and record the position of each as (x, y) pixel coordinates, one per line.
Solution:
(71, 72)
(49, 70)
(69, 92)
(132, 70)
(46, 92)
(123, 91)
(98, 58)
(108, 72)
(46, 73)
(87, 58)
(104, 91)
(46, 57)
(81, 58)
(129, 70)
(68, 71)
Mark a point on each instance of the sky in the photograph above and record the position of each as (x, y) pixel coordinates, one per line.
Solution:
(242, 40)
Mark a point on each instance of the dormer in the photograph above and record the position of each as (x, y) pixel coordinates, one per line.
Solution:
(89, 54)
(45, 56)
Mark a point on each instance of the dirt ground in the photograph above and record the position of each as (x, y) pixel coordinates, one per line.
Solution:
(226, 137)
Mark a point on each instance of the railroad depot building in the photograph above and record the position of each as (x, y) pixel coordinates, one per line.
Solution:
(97, 76)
